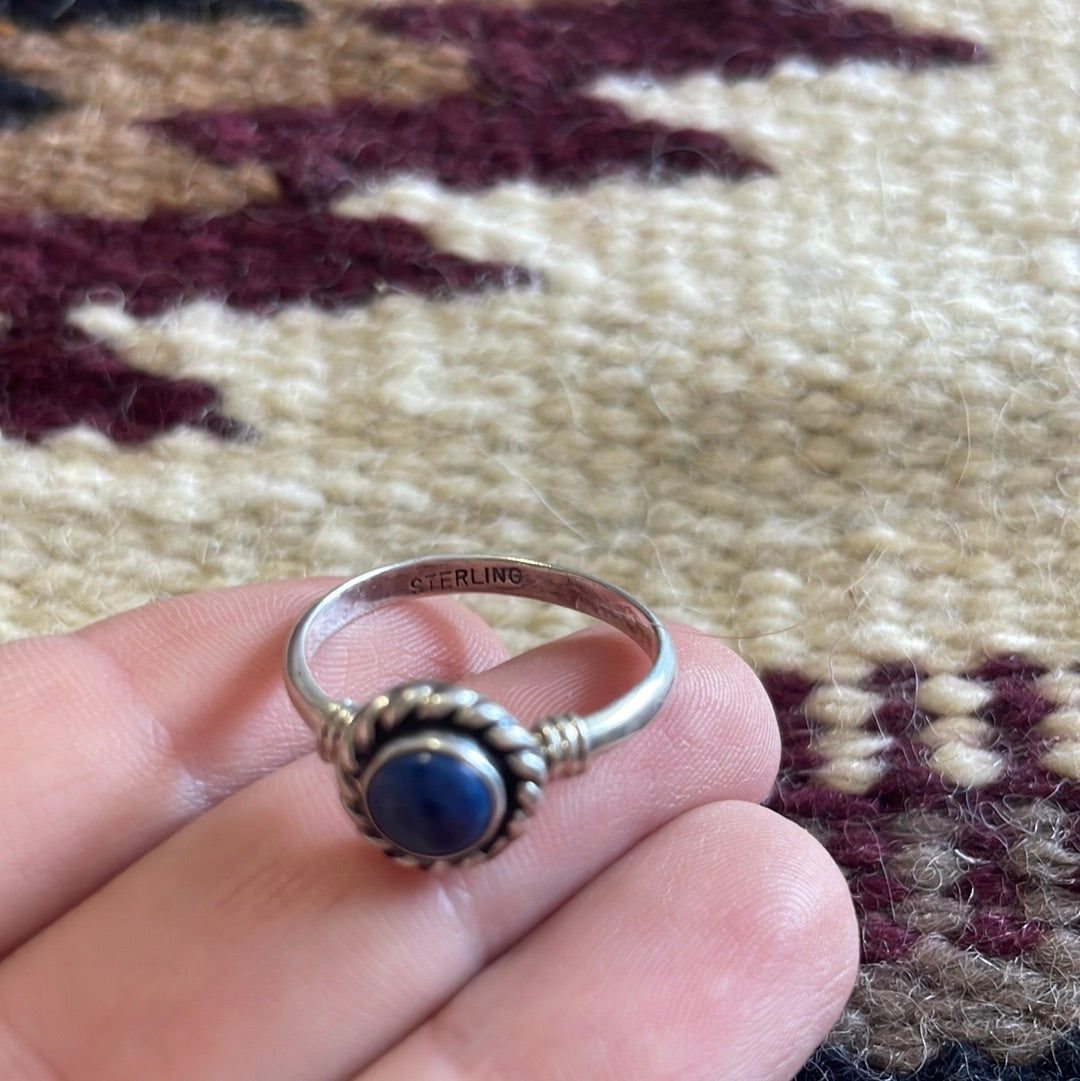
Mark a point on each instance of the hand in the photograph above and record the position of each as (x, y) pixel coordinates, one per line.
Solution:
(183, 899)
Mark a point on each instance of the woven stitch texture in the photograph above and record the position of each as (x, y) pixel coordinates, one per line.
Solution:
(768, 311)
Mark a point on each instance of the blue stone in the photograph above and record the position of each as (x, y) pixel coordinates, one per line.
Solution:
(430, 803)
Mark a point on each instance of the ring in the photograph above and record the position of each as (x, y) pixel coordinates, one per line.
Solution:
(435, 774)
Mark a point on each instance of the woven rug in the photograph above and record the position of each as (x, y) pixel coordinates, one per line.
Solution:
(766, 309)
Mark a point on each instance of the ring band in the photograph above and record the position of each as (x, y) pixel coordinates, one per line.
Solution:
(435, 774)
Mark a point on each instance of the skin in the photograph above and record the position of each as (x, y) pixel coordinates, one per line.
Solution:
(182, 897)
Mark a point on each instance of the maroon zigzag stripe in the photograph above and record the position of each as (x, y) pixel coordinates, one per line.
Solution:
(52, 376)
(463, 142)
(532, 119)
(553, 48)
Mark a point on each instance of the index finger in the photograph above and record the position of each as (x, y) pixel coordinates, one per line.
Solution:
(113, 737)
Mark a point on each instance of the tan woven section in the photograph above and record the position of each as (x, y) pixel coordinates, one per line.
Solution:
(902, 1013)
(159, 67)
(98, 159)
(829, 414)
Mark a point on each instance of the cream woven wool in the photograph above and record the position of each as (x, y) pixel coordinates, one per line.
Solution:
(829, 414)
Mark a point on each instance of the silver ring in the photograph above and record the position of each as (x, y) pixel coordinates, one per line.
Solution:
(433, 773)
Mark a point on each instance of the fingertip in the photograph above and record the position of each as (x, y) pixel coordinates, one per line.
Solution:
(719, 712)
(719, 946)
(791, 914)
(729, 680)
(808, 901)
(715, 736)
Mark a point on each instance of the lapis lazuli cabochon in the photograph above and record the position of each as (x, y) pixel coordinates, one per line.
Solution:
(430, 804)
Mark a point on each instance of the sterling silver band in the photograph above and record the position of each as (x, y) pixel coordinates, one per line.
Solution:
(420, 766)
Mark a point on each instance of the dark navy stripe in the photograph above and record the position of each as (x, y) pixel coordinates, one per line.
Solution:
(20, 103)
(955, 1062)
(47, 14)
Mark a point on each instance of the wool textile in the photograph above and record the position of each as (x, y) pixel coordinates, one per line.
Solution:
(766, 310)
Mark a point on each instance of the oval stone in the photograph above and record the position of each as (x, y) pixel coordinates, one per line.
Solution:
(429, 803)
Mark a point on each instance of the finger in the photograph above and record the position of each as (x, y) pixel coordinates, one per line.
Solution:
(112, 738)
(722, 946)
(269, 912)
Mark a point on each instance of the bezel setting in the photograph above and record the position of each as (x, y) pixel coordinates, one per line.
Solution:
(444, 719)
